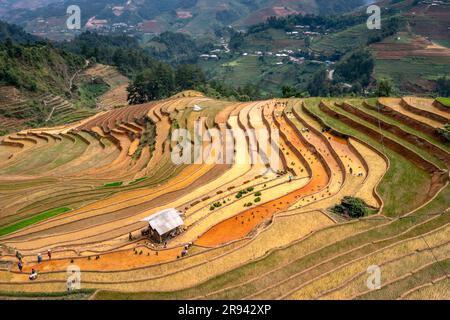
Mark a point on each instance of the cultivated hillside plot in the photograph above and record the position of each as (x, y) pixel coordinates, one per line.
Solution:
(258, 226)
(117, 95)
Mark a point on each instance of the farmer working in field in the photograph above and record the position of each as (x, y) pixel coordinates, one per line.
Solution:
(69, 284)
(19, 256)
(33, 275)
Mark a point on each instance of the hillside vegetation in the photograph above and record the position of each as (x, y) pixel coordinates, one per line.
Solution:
(37, 67)
(192, 16)
(358, 183)
(42, 84)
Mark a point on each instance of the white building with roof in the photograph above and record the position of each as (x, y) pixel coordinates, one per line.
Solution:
(164, 224)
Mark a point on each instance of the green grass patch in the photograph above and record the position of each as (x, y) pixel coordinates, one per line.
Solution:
(444, 101)
(343, 41)
(406, 71)
(138, 180)
(264, 73)
(113, 184)
(89, 92)
(35, 219)
(3, 130)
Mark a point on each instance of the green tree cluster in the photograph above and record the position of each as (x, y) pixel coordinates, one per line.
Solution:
(352, 206)
(161, 81)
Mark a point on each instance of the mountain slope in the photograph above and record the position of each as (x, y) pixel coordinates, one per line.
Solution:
(412, 49)
(42, 85)
(192, 16)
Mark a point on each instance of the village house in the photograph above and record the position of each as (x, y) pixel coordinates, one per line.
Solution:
(164, 225)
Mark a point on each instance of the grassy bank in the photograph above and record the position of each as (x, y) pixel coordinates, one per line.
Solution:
(398, 199)
(35, 219)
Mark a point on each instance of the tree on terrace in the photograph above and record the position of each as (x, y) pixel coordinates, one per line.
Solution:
(353, 207)
(385, 88)
(152, 84)
(189, 76)
(443, 86)
(356, 67)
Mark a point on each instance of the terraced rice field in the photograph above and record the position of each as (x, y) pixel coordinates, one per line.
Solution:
(117, 95)
(260, 229)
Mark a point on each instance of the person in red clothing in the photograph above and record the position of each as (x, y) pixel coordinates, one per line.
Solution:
(49, 253)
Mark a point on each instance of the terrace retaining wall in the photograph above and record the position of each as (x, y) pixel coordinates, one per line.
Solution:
(397, 147)
(293, 148)
(347, 137)
(423, 113)
(413, 123)
(437, 176)
(411, 138)
(282, 158)
(440, 106)
(321, 137)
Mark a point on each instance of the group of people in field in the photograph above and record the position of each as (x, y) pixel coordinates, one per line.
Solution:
(33, 274)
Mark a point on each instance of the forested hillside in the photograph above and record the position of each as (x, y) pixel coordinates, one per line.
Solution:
(41, 83)
(298, 55)
(37, 67)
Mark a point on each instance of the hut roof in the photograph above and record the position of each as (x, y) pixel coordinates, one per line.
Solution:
(165, 221)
